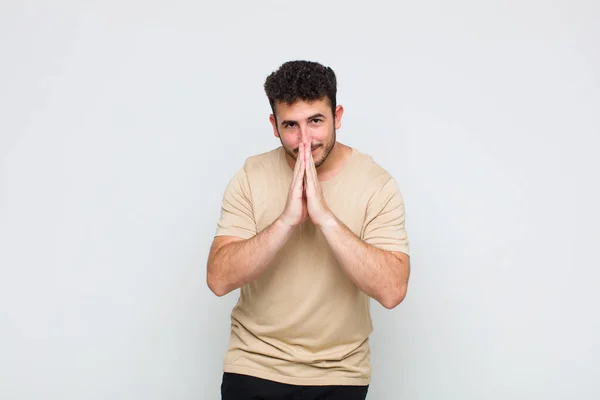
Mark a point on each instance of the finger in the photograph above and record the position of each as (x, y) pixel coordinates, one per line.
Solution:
(306, 185)
(299, 177)
(310, 174)
(304, 151)
(312, 163)
(298, 163)
(299, 168)
(308, 151)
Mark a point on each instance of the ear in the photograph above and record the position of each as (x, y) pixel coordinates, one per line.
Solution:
(274, 124)
(339, 111)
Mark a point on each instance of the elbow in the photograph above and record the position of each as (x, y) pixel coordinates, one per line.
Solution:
(218, 289)
(216, 285)
(394, 297)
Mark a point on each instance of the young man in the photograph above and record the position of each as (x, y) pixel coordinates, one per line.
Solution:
(309, 232)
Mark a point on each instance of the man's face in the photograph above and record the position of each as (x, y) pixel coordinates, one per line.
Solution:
(308, 122)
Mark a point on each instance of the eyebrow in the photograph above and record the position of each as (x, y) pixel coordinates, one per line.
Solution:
(317, 115)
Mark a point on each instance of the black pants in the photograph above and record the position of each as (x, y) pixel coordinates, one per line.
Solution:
(243, 387)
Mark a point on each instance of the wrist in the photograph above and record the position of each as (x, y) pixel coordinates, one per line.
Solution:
(282, 224)
(327, 221)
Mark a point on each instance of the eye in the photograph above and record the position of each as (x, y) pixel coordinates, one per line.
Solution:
(316, 120)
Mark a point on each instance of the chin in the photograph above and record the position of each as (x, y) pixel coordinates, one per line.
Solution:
(319, 162)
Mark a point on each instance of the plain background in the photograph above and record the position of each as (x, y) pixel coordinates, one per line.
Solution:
(121, 122)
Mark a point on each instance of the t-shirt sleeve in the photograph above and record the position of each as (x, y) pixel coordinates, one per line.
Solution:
(385, 220)
(237, 216)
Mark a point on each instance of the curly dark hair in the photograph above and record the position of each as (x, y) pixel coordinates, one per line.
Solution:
(301, 80)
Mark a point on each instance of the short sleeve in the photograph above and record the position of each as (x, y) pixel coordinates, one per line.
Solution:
(385, 220)
(237, 216)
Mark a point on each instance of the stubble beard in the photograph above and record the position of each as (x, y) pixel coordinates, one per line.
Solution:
(326, 150)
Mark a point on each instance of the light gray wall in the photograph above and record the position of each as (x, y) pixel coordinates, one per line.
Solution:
(121, 123)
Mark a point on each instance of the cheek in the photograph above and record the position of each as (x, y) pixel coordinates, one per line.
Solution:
(290, 141)
(322, 134)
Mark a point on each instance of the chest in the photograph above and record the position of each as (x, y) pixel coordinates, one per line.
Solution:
(349, 204)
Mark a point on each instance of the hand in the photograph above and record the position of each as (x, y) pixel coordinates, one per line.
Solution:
(295, 211)
(317, 207)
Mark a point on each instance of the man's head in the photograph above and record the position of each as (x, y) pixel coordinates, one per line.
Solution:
(302, 95)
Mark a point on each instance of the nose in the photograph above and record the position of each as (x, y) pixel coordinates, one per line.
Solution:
(305, 136)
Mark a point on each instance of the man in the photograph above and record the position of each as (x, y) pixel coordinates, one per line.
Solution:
(309, 232)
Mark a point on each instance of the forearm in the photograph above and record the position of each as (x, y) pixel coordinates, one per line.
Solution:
(238, 263)
(376, 272)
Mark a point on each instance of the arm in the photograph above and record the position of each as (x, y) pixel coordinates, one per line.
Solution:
(234, 262)
(239, 255)
(381, 274)
(378, 263)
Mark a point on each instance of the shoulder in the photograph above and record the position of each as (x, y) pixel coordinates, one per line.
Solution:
(254, 164)
(266, 160)
(260, 169)
(368, 172)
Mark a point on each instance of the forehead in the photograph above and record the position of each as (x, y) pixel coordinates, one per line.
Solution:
(302, 109)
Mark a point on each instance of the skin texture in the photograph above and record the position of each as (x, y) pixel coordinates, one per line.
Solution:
(306, 130)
